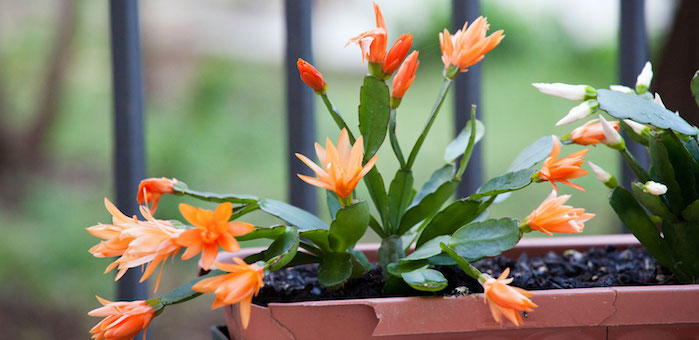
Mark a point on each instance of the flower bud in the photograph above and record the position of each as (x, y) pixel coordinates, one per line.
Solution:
(654, 188)
(581, 111)
(644, 78)
(612, 138)
(603, 176)
(637, 128)
(404, 78)
(622, 89)
(572, 92)
(396, 54)
(311, 76)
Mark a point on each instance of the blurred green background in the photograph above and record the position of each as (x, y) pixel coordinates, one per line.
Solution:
(216, 120)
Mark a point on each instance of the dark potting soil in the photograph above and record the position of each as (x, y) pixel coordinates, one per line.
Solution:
(598, 267)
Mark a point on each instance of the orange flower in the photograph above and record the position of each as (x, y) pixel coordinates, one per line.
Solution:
(150, 190)
(136, 242)
(212, 229)
(468, 45)
(554, 217)
(405, 76)
(123, 319)
(373, 42)
(311, 76)
(561, 170)
(591, 133)
(341, 167)
(396, 54)
(243, 282)
(506, 300)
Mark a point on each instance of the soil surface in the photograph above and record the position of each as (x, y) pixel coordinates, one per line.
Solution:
(598, 267)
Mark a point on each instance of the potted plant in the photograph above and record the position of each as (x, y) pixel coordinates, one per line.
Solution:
(421, 237)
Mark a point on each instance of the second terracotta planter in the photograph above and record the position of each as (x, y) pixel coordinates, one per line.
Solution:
(650, 312)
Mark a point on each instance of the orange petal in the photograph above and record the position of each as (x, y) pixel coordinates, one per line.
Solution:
(245, 305)
(208, 255)
(240, 228)
(223, 212)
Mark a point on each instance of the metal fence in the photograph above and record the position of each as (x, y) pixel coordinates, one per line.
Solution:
(129, 166)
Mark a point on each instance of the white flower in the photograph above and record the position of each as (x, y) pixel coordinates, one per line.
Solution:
(612, 138)
(621, 88)
(658, 101)
(572, 92)
(581, 111)
(644, 78)
(655, 188)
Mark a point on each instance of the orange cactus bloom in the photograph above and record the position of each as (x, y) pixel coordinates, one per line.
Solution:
(468, 45)
(151, 189)
(506, 300)
(591, 133)
(405, 76)
(212, 229)
(311, 76)
(561, 170)
(554, 217)
(373, 42)
(136, 242)
(123, 319)
(239, 286)
(341, 167)
(397, 53)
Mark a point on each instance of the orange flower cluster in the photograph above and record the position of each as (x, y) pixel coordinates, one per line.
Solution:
(468, 45)
(506, 300)
(561, 170)
(239, 286)
(212, 230)
(341, 167)
(554, 217)
(151, 189)
(591, 133)
(135, 242)
(123, 320)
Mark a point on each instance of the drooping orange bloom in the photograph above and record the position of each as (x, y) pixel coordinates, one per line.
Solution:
(405, 76)
(123, 319)
(341, 167)
(151, 189)
(373, 42)
(554, 217)
(591, 133)
(212, 229)
(468, 45)
(239, 286)
(561, 170)
(397, 53)
(311, 76)
(506, 300)
(136, 242)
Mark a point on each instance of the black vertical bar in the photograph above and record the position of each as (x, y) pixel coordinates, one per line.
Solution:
(467, 91)
(128, 122)
(299, 102)
(633, 54)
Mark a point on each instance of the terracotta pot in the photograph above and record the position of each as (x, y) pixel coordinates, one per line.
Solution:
(651, 312)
